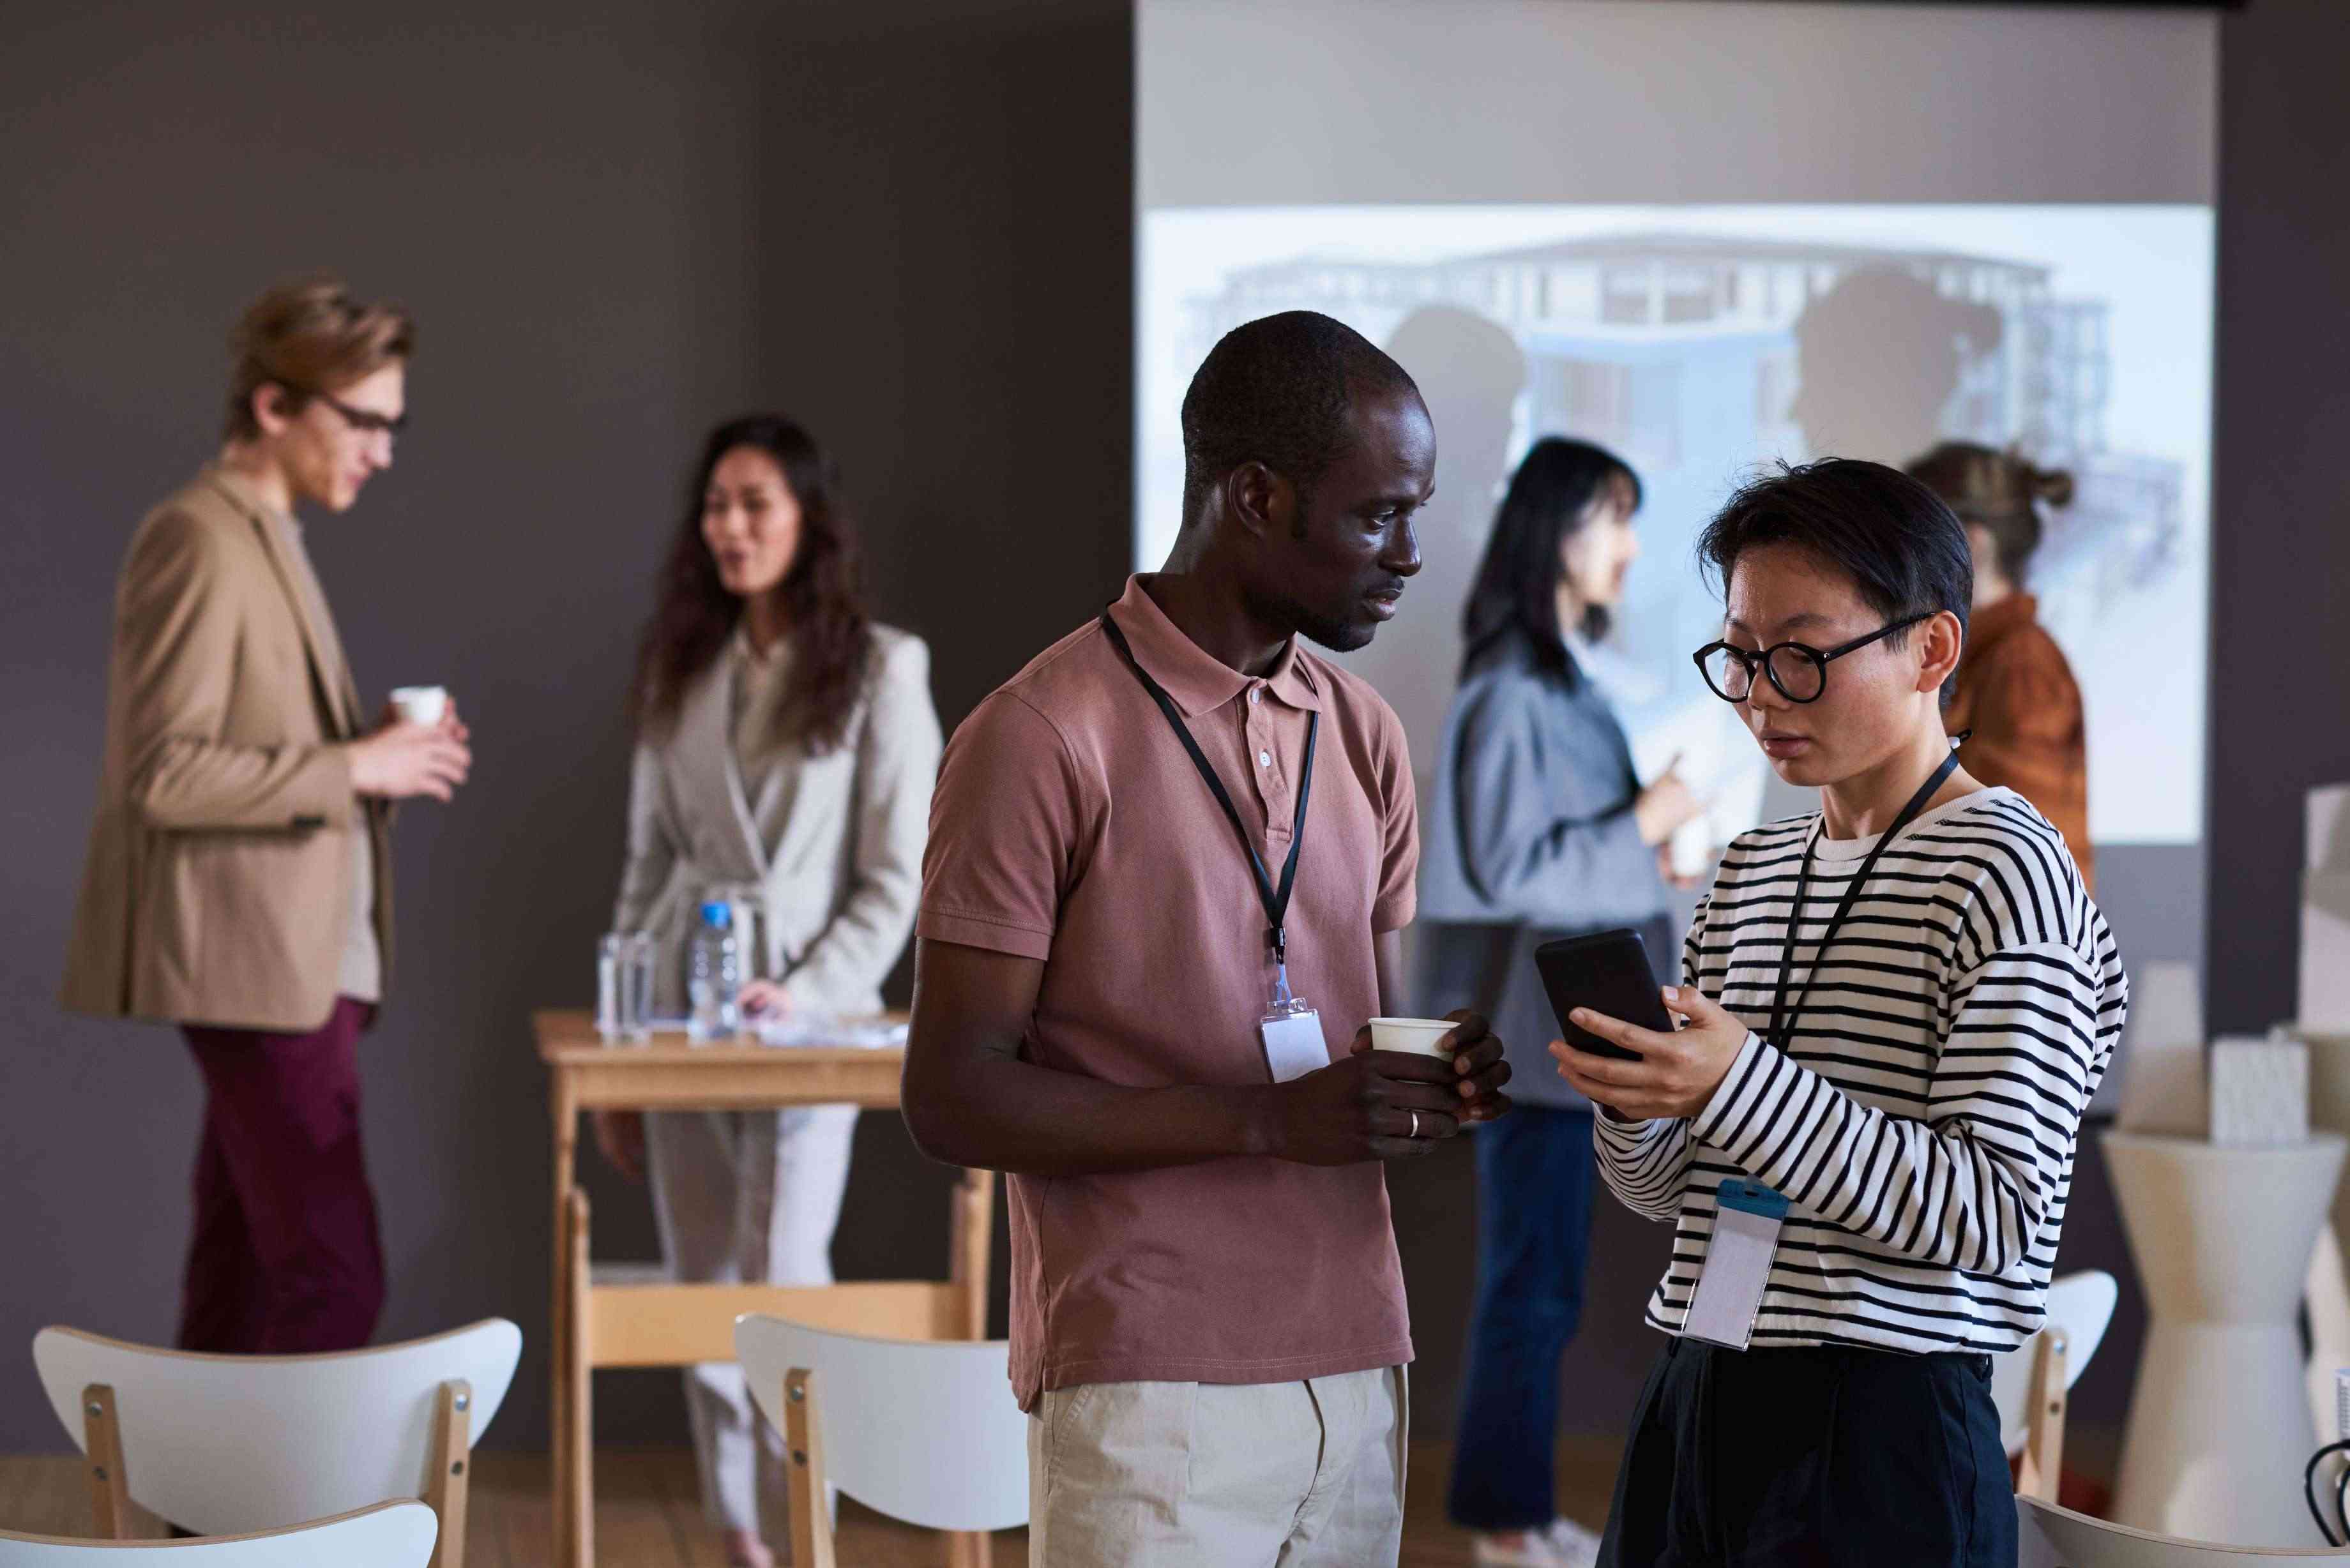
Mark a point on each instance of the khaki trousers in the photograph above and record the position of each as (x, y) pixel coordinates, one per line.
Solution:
(1208, 1475)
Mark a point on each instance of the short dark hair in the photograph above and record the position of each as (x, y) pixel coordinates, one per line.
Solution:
(1276, 390)
(1901, 545)
(1551, 497)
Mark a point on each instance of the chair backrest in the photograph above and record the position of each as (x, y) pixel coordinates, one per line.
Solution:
(223, 1444)
(2056, 1537)
(2081, 1305)
(922, 1430)
(388, 1535)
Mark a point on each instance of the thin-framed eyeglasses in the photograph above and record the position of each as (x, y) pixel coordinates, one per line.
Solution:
(366, 422)
(1797, 669)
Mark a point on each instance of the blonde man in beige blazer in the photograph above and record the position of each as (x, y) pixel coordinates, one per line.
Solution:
(238, 882)
(788, 743)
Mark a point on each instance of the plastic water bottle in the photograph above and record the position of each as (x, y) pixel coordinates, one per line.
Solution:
(714, 976)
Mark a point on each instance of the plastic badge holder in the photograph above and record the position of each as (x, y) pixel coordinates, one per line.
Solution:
(1746, 1220)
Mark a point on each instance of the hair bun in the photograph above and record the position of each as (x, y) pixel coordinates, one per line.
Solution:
(2053, 485)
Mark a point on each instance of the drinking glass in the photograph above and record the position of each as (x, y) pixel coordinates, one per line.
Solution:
(637, 988)
(624, 987)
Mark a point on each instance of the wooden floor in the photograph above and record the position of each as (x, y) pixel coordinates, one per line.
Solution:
(647, 1514)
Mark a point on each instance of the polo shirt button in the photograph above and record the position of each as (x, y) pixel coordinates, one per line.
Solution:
(1257, 694)
(1264, 759)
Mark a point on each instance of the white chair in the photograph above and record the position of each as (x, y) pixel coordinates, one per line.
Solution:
(224, 1444)
(2028, 1384)
(922, 1430)
(2052, 1537)
(388, 1535)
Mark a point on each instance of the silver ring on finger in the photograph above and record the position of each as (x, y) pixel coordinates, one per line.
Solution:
(1415, 1124)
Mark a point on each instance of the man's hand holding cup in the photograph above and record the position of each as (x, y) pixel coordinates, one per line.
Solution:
(420, 747)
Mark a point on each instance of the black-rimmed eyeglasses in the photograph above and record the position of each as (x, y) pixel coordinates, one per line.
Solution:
(1797, 669)
(366, 422)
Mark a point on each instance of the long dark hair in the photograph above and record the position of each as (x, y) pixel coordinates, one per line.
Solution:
(824, 613)
(1549, 502)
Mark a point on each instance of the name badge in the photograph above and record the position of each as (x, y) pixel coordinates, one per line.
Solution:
(1293, 1046)
(1746, 1220)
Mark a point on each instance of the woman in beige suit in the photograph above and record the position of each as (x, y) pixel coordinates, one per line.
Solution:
(784, 742)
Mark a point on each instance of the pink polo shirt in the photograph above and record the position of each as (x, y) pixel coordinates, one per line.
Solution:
(1069, 827)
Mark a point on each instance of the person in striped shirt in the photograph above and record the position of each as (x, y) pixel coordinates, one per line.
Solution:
(1910, 1078)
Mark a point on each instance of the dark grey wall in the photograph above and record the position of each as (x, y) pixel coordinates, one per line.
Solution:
(616, 227)
(2281, 487)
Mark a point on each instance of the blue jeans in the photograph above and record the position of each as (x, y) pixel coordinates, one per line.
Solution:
(1535, 1176)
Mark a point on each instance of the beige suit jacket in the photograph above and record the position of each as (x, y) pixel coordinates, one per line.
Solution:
(219, 884)
(835, 841)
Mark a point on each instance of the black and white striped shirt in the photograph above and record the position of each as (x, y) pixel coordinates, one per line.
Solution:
(1922, 1121)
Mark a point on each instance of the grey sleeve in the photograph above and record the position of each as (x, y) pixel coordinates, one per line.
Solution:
(651, 845)
(1530, 859)
(897, 764)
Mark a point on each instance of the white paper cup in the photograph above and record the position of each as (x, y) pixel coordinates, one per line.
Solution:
(1416, 1036)
(421, 704)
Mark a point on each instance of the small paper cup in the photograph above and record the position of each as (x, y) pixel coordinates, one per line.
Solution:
(421, 704)
(1414, 1036)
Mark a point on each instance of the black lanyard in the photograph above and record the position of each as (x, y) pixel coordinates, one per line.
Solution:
(1783, 1017)
(1274, 899)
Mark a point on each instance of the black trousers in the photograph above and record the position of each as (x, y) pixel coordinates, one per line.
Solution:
(1823, 1458)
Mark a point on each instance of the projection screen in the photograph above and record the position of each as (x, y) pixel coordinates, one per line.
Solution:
(1714, 237)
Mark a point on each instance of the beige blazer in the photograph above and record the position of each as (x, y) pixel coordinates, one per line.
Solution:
(847, 829)
(219, 883)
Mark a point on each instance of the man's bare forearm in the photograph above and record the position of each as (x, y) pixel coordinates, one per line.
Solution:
(989, 1109)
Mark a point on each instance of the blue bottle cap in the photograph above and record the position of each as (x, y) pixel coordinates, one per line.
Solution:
(717, 915)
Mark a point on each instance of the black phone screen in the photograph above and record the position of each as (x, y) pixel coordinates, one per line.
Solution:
(1609, 974)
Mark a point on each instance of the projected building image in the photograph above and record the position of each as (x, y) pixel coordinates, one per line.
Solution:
(1697, 346)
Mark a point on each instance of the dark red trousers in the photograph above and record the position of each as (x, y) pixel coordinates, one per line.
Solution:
(285, 1259)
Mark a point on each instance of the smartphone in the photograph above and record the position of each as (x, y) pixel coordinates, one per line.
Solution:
(1609, 974)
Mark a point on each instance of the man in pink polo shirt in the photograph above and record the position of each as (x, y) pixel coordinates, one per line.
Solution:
(1168, 866)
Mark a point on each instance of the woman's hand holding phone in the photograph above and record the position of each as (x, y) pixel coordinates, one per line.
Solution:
(1677, 1073)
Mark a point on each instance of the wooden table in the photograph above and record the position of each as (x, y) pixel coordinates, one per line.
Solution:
(627, 1319)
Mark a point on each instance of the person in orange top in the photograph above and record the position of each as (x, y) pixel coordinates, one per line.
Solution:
(2015, 690)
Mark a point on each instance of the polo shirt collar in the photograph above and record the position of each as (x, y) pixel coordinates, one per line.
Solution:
(1197, 680)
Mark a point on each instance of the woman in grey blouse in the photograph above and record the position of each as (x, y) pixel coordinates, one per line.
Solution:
(787, 743)
(1539, 829)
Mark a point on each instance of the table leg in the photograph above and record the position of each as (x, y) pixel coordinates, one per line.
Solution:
(579, 1437)
(974, 1245)
(973, 1242)
(566, 1133)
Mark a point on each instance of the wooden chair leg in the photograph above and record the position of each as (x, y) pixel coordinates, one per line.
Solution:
(804, 1450)
(974, 1234)
(2043, 1429)
(579, 1438)
(445, 1485)
(110, 1489)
